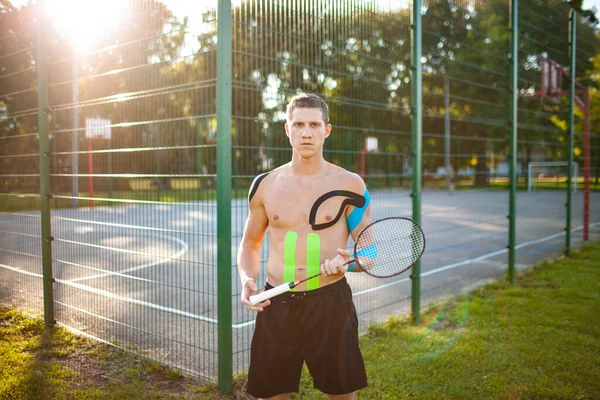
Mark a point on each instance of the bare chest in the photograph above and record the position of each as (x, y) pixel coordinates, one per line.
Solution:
(297, 207)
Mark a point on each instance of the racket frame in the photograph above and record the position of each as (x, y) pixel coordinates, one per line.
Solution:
(366, 271)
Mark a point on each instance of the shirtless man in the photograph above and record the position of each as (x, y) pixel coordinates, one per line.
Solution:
(309, 207)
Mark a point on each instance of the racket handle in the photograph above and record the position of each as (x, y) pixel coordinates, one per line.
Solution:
(267, 294)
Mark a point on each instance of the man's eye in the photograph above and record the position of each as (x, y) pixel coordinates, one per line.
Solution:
(314, 124)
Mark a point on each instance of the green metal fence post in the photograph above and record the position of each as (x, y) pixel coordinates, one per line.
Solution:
(572, 50)
(350, 152)
(224, 50)
(514, 71)
(44, 154)
(416, 129)
(75, 135)
(270, 158)
(199, 155)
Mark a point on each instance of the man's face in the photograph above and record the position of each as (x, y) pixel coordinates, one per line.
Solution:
(307, 131)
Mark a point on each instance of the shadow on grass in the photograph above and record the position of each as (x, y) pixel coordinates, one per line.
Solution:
(43, 377)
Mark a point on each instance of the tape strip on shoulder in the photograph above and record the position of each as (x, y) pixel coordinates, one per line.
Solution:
(255, 184)
(357, 214)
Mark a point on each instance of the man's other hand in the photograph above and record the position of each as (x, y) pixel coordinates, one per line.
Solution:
(336, 265)
(249, 288)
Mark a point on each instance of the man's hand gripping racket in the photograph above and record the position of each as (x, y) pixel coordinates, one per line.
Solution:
(383, 249)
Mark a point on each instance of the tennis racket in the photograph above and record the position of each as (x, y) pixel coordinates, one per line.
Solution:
(383, 249)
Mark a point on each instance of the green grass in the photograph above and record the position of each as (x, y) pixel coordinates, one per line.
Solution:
(39, 364)
(536, 339)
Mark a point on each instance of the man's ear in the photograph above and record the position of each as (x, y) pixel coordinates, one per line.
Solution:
(328, 130)
(287, 129)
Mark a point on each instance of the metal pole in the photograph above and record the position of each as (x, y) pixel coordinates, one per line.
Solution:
(416, 129)
(110, 168)
(597, 173)
(390, 162)
(586, 165)
(447, 129)
(572, 78)
(512, 202)
(75, 136)
(350, 152)
(224, 89)
(91, 171)
(270, 157)
(44, 153)
(202, 181)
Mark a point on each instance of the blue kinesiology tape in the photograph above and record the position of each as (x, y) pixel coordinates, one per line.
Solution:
(357, 214)
(370, 251)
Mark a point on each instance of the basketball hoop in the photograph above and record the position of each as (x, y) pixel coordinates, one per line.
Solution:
(551, 80)
(371, 144)
(97, 128)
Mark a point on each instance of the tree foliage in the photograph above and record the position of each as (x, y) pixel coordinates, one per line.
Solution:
(155, 79)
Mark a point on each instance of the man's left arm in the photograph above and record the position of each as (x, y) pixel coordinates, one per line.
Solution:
(358, 217)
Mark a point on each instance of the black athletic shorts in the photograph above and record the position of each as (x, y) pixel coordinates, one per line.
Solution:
(319, 327)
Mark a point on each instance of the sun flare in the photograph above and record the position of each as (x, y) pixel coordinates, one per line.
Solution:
(83, 23)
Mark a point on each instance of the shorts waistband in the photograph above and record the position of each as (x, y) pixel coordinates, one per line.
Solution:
(333, 287)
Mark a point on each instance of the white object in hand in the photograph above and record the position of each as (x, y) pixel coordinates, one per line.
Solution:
(267, 294)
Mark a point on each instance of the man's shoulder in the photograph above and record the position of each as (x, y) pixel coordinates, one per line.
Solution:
(263, 180)
(347, 180)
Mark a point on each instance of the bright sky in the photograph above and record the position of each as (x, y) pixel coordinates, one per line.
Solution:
(587, 4)
(83, 22)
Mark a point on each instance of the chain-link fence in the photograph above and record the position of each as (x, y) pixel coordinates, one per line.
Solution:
(137, 244)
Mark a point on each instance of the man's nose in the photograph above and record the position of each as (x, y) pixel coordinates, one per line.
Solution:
(306, 132)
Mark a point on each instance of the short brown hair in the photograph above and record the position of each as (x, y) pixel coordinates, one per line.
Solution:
(307, 100)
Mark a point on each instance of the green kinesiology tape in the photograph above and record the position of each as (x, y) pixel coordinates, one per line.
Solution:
(289, 257)
(313, 260)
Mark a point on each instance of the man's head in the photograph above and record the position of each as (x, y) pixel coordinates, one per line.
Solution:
(307, 100)
(307, 125)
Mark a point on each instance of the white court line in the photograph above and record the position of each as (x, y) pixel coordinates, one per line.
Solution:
(114, 296)
(248, 323)
(181, 252)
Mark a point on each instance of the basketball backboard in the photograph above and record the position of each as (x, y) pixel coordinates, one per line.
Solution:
(551, 80)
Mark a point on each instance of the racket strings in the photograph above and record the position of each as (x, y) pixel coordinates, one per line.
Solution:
(390, 246)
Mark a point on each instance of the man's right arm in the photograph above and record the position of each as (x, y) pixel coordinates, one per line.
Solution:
(248, 258)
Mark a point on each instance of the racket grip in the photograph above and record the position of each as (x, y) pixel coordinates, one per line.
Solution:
(267, 294)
